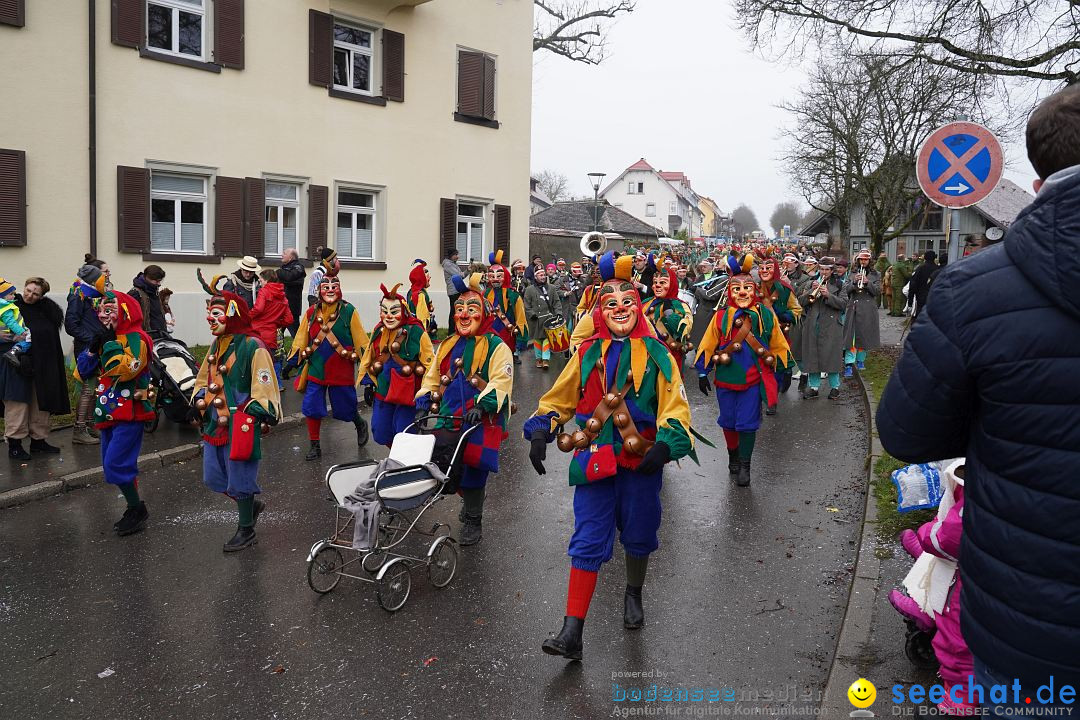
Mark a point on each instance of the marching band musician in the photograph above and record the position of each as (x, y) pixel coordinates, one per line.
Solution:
(861, 329)
(822, 332)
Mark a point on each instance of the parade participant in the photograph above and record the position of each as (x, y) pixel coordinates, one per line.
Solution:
(584, 327)
(577, 289)
(670, 317)
(120, 356)
(418, 300)
(822, 341)
(810, 273)
(708, 292)
(237, 396)
(622, 389)
(469, 383)
(841, 270)
(901, 273)
(778, 295)
(518, 281)
(791, 270)
(330, 341)
(506, 303)
(393, 365)
(644, 272)
(882, 266)
(861, 330)
(743, 345)
(542, 304)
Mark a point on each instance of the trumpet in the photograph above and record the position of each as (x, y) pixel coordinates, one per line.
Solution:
(862, 280)
(816, 292)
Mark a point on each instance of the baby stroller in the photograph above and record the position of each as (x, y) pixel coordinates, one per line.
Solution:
(377, 506)
(172, 371)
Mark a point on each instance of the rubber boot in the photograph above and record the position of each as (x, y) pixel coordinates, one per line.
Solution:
(743, 478)
(633, 616)
(770, 410)
(471, 531)
(133, 521)
(244, 538)
(733, 460)
(16, 451)
(568, 642)
(315, 452)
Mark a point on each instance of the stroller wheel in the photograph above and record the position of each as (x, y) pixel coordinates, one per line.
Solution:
(442, 562)
(393, 584)
(323, 573)
(391, 525)
(150, 426)
(919, 650)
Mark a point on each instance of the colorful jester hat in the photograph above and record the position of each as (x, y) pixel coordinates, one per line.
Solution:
(617, 273)
(495, 262)
(418, 280)
(742, 291)
(407, 318)
(237, 313)
(474, 283)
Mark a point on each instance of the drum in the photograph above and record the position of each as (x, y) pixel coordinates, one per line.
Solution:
(557, 335)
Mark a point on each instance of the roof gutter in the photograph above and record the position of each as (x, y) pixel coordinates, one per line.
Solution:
(92, 122)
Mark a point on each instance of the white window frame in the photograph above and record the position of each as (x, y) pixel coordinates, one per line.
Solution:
(632, 189)
(300, 186)
(673, 207)
(486, 221)
(375, 212)
(177, 6)
(376, 42)
(180, 197)
(650, 209)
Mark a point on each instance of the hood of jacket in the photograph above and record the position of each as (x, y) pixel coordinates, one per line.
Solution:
(275, 292)
(141, 283)
(1044, 242)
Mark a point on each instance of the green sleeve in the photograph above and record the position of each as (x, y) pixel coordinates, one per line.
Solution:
(677, 438)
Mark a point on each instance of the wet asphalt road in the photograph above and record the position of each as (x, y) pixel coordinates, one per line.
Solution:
(746, 592)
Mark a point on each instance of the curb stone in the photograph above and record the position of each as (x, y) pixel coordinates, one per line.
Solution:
(96, 475)
(855, 628)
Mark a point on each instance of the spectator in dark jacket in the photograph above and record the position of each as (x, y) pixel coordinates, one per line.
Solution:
(291, 274)
(988, 373)
(145, 289)
(920, 281)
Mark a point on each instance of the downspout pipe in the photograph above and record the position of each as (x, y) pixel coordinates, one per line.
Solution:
(92, 122)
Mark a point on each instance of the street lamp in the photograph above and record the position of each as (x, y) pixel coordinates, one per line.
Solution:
(595, 178)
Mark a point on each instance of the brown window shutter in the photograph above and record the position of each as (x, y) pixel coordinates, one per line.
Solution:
(229, 217)
(12, 12)
(128, 22)
(393, 64)
(12, 198)
(320, 48)
(489, 87)
(254, 216)
(318, 212)
(133, 209)
(229, 33)
(470, 83)
(502, 230)
(447, 226)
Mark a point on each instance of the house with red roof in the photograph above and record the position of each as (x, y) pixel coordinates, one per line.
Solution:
(662, 199)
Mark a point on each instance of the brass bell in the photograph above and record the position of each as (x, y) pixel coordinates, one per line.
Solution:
(395, 346)
(724, 359)
(474, 381)
(222, 421)
(715, 358)
(353, 357)
(594, 425)
(333, 343)
(736, 346)
(634, 445)
(565, 442)
(621, 420)
(222, 368)
(406, 370)
(738, 322)
(459, 363)
(673, 345)
(581, 440)
(214, 388)
(513, 408)
(612, 400)
(434, 408)
(436, 396)
(376, 367)
(770, 360)
(420, 369)
(760, 351)
(343, 352)
(211, 358)
(444, 380)
(688, 346)
(200, 404)
(219, 402)
(332, 318)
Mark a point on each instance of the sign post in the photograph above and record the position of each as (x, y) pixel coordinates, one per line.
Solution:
(958, 166)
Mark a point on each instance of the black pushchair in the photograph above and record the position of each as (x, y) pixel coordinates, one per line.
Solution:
(172, 371)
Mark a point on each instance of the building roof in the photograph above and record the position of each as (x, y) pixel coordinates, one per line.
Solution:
(640, 165)
(675, 177)
(1003, 205)
(577, 216)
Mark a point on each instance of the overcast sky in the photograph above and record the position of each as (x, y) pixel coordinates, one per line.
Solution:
(681, 89)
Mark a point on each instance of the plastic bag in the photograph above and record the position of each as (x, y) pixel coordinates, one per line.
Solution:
(918, 487)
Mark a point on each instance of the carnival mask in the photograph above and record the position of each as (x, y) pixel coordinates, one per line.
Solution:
(215, 318)
(468, 313)
(330, 290)
(108, 312)
(495, 276)
(618, 306)
(661, 284)
(391, 313)
(742, 291)
(767, 272)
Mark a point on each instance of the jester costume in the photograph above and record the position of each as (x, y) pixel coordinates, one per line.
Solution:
(622, 389)
(236, 393)
(743, 344)
(506, 303)
(418, 300)
(670, 317)
(468, 384)
(330, 341)
(778, 294)
(120, 357)
(393, 366)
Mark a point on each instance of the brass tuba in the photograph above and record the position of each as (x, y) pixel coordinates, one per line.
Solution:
(593, 244)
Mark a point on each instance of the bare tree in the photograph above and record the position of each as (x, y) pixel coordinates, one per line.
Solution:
(744, 220)
(1035, 39)
(554, 184)
(785, 213)
(576, 29)
(859, 124)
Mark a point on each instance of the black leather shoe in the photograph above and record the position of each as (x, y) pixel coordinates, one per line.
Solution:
(471, 531)
(16, 451)
(133, 521)
(809, 394)
(770, 410)
(42, 446)
(362, 433)
(244, 538)
(315, 452)
(834, 394)
(568, 642)
(633, 616)
(733, 461)
(743, 478)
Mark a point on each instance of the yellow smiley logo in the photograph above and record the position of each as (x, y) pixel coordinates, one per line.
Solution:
(862, 693)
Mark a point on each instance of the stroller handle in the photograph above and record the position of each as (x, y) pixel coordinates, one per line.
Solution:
(461, 440)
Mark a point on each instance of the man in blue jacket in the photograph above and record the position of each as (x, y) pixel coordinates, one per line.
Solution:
(988, 372)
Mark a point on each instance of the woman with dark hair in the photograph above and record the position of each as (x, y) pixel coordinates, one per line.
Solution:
(38, 387)
(82, 324)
